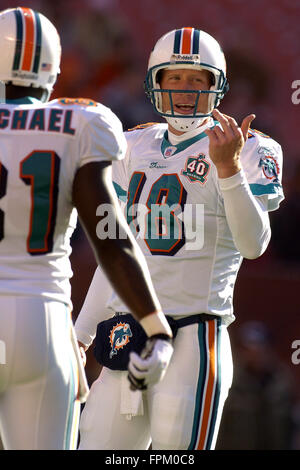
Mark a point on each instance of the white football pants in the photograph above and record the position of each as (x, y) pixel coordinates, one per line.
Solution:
(38, 378)
(181, 412)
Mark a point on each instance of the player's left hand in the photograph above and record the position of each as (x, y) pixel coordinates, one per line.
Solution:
(226, 143)
(150, 366)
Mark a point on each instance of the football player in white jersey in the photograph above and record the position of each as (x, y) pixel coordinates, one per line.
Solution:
(55, 162)
(198, 189)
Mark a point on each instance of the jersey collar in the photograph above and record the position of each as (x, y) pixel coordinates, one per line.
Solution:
(167, 149)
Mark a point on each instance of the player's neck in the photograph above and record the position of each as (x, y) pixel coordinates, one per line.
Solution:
(13, 92)
(175, 139)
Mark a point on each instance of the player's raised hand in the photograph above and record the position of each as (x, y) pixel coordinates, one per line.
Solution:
(150, 366)
(226, 143)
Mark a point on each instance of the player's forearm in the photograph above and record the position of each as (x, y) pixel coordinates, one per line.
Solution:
(116, 252)
(94, 308)
(85, 327)
(247, 219)
(127, 270)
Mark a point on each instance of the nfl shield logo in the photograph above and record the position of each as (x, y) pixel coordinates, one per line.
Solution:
(169, 151)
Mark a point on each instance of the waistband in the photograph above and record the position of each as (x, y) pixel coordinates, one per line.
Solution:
(198, 318)
(189, 320)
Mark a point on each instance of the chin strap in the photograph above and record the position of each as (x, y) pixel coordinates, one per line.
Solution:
(185, 124)
(176, 139)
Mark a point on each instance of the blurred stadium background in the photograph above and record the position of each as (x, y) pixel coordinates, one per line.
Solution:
(105, 48)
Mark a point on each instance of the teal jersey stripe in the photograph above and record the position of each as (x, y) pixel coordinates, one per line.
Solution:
(196, 38)
(177, 40)
(182, 145)
(217, 390)
(121, 193)
(19, 39)
(38, 43)
(261, 189)
(200, 385)
(186, 143)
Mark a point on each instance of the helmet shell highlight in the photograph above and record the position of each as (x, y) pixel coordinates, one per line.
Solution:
(31, 50)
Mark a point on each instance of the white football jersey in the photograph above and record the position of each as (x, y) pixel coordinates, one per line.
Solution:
(42, 145)
(182, 227)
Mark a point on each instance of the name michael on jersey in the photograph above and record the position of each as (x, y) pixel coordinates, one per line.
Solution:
(41, 119)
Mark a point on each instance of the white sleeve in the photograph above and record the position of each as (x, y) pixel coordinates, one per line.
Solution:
(262, 162)
(247, 216)
(119, 178)
(94, 308)
(102, 138)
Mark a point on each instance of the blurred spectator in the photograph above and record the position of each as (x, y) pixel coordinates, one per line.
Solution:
(258, 414)
(250, 89)
(296, 434)
(126, 97)
(97, 48)
(283, 224)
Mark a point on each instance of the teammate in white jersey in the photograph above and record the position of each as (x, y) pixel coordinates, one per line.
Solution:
(55, 161)
(198, 191)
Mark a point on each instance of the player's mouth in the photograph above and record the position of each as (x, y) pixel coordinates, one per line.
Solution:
(184, 108)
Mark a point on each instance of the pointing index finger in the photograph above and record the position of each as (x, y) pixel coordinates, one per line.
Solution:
(226, 123)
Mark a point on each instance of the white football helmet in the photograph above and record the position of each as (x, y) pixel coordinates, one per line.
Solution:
(186, 48)
(30, 49)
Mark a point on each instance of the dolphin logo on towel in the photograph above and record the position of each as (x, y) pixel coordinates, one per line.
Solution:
(119, 337)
